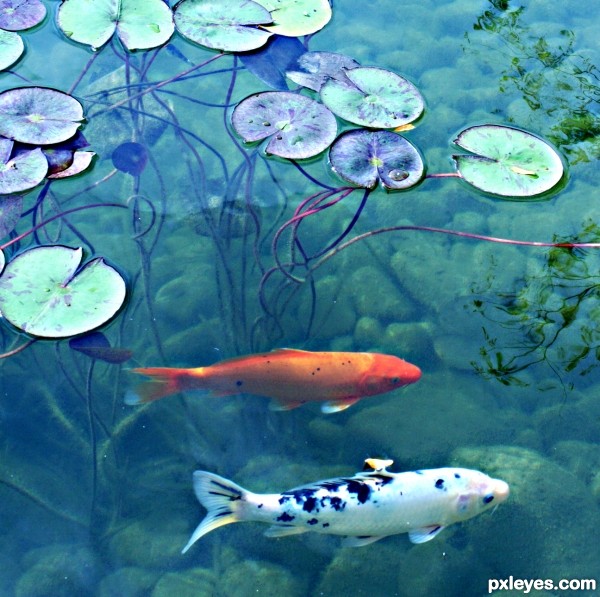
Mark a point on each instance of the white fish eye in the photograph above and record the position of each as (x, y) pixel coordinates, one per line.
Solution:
(488, 498)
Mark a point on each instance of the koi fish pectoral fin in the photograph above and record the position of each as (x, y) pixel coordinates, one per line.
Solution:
(360, 541)
(283, 531)
(425, 534)
(335, 406)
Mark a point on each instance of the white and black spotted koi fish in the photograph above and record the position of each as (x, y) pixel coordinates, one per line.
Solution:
(363, 508)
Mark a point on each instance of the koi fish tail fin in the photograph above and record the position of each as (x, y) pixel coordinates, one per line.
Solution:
(164, 381)
(222, 498)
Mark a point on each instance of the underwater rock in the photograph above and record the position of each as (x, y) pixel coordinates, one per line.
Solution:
(186, 583)
(60, 570)
(226, 218)
(190, 344)
(457, 352)
(367, 333)
(132, 582)
(410, 341)
(537, 532)
(581, 458)
(376, 295)
(250, 577)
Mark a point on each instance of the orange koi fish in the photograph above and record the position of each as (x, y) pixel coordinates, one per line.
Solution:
(290, 377)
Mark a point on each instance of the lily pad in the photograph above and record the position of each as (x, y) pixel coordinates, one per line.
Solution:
(373, 97)
(11, 208)
(140, 24)
(16, 15)
(81, 161)
(297, 126)
(314, 69)
(39, 115)
(45, 293)
(130, 158)
(507, 161)
(365, 158)
(96, 346)
(11, 48)
(229, 25)
(22, 171)
(297, 17)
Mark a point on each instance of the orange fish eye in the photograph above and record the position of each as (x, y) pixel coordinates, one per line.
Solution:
(395, 381)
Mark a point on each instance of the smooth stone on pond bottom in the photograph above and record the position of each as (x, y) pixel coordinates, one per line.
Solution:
(410, 340)
(457, 352)
(250, 577)
(60, 570)
(187, 583)
(367, 332)
(543, 518)
(130, 582)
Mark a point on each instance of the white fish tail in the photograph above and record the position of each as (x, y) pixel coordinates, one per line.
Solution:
(223, 500)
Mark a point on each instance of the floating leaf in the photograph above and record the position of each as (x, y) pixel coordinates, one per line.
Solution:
(297, 17)
(96, 346)
(271, 62)
(223, 24)
(140, 24)
(507, 161)
(11, 208)
(81, 161)
(314, 69)
(373, 97)
(16, 15)
(44, 292)
(24, 170)
(366, 157)
(38, 115)
(11, 48)
(298, 127)
(130, 158)
(60, 156)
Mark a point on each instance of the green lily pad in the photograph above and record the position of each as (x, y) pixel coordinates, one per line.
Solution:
(22, 170)
(373, 97)
(365, 158)
(140, 24)
(294, 18)
(298, 127)
(507, 161)
(45, 293)
(11, 48)
(38, 115)
(229, 25)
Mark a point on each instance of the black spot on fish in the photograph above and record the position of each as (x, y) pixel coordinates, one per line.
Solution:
(260, 506)
(418, 472)
(312, 521)
(239, 382)
(325, 525)
(336, 503)
(333, 485)
(285, 517)
(440, 484)
(318, 368)
(224, 512)
(456, 476)
(362, 490)
(383, 479)
(283, 499)
(310, 504)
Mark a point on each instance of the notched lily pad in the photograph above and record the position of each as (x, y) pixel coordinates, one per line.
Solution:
(11, 48)
(81, 161)
(16, 15)
(297, 126)
(365, 158)
(230, 25)
(39, 115)
(46, 293)
(314, 69)
(373, 97)
(297, 17)
(507, 161)
(140, 24)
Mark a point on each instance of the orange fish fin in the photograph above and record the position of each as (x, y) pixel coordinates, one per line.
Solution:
(279, 406)
(335, 406)
(164, 381)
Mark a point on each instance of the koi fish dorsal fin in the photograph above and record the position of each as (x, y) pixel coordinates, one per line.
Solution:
(377, 464)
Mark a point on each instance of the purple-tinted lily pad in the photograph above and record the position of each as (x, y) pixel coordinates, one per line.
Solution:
(16, 15)
(60, 156)
(81, 161)
(22, 170)
(271, 62)
(130, 158)
(365, 158)
(39, 115)
(11, 48)
(295, 18)
(229, 25)
(373, 97)
(314, 69)
(96, 346)
(297, 126)
(11, 208)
